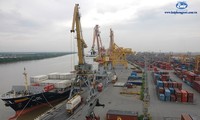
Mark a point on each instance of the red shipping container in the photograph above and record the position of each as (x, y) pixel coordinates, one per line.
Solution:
(179, 86)
(164, 77)
(121, 115)
(184, 96)
(174, 84)
(178, 94)
(165, 84)
(173, 98)
(197, 78)
(196, 86)
(170, 85)
(190, 97)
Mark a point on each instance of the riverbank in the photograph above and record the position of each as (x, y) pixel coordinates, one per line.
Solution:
(10, 57)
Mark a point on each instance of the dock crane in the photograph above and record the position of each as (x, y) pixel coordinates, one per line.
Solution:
(118, 54)
(84, 73)
(91, 115)
(101, 49)
(97, 38)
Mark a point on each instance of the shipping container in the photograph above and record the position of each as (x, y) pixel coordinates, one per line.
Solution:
(54, 76)
(172, 98)
(172, 91)
(73, 103)
(121, 115)
(185, 117)
(179, 86)
(160, 84)
(167, 92)
(66, 76)
(174, 84)
(184, 96)
(162, 97)
(178, 94)
(165, 83)
(161, 90)
(190, 97)
(196, 86)
(57, 83)
(38, 79)
(49, 87)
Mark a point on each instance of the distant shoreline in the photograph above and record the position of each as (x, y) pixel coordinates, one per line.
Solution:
(10, 57)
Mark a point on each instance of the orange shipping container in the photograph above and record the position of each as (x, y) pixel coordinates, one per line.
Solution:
(185, 117)
(184, 96)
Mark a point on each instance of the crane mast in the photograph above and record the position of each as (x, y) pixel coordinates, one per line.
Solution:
(96, 37)
(80, 42)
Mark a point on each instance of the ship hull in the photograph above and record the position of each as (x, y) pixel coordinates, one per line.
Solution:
(28, 102)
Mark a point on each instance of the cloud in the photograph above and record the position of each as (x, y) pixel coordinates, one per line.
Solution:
(138, 24)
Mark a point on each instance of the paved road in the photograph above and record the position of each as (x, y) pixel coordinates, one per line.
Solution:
(162, 110)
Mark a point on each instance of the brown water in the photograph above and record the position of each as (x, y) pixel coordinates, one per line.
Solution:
(11, 74)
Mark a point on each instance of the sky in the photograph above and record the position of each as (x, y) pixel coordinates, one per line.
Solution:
(44, 25)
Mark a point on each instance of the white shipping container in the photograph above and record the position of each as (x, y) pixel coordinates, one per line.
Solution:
(37, 79)
(64, 84)
(57, 83)
(54, 76)
(67, 76)
(71, 104)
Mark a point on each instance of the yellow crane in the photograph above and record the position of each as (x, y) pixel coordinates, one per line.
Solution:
(101, 58)
(83, 70)
(97, 38)
(80, 42)
(118, 54)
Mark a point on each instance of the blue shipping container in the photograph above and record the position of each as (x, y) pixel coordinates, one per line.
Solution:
(172, 91)
(160, 84)
(133, 73)
(167, 98)
(167, 92)
(162, 97)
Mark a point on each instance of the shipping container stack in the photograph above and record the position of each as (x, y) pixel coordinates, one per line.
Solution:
(168, 90)
(163, 65)
(190, 78)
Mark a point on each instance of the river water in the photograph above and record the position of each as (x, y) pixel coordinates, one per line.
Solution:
(11, 74)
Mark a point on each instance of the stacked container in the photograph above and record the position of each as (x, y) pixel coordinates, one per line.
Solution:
(170, 91)
(184, 96)
(190, 97)
(196, 86)
(178, 94)
(167, 94)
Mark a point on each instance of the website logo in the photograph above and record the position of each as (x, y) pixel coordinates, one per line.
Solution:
(181, 8)
(181, 5)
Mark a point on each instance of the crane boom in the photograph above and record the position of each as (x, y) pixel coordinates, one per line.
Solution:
(80, 42)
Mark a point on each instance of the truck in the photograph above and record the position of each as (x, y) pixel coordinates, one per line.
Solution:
(73, 104)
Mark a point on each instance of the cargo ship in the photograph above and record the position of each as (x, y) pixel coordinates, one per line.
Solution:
(43, 90)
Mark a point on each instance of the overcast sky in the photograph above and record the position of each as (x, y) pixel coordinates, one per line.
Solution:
(44, 25)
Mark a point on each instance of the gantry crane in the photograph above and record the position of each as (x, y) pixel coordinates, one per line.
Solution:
(118, 54)
(83, 70)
